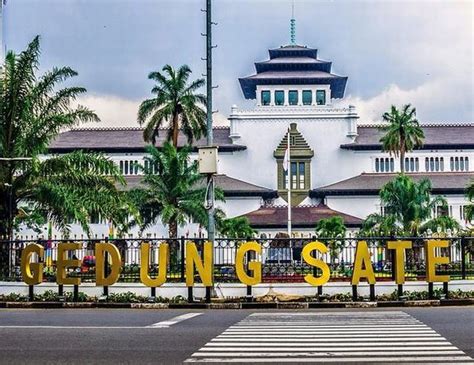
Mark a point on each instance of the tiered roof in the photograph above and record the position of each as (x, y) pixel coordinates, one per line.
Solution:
(293, 65)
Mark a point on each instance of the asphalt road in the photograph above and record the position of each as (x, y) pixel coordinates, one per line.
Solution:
(125, 336)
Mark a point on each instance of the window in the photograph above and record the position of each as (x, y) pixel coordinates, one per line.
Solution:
(265, 97)
(442, 211)
(307, 97)
(298, 178)
(293, 97)
(279, 97)
(95, 218)
(412, 164)
(433, 164)
(126, 168)
(301, 175)
(459, 163)
(136, 167)
(146, 165)
(321, 97)
(121, 167)
(384, 164)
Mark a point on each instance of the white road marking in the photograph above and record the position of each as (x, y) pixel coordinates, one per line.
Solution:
(172, 321)
(392, 359)
(329, 337)
(163, 324)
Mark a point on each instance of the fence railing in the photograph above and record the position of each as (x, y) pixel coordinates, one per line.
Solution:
(281, 258)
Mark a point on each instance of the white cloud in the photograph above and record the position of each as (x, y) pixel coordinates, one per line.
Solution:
(434, 101)
(115, 111)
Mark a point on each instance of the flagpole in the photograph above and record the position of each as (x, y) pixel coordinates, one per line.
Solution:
(288, 169)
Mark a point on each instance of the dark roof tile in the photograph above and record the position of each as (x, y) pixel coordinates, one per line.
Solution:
(302, 216)
(129, 139)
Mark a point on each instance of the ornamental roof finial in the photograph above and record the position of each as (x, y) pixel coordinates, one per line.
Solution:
(293, 25)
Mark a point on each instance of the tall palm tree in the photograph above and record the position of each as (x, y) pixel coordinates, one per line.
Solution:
(332, 230)
(177, 105)
(403, 132)
(172, 192)
(68, 187)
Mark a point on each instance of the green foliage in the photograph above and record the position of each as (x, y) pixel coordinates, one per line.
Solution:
(238, 227)
(403, 132)
(177, 105)
(407, 205)
(330, 229)
(470, 196)
(69, 187)
(173, 194)
(442, 223)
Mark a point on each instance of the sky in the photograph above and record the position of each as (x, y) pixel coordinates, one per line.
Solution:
(394, 52)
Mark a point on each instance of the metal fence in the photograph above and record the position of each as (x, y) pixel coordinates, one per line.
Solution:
(281, 258)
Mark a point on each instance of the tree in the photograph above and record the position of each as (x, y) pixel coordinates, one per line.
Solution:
(177, 105)
(171, 191)
(469, 213)
(68, 187)
(238, 227)
(332, 231)
(402, 134)
(407, 205)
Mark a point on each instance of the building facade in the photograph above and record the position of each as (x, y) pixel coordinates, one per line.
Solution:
(337, 166)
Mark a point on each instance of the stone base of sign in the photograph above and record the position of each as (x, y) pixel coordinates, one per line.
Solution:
(243, 305)
(236, 290)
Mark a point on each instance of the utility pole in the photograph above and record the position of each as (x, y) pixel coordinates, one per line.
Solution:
(210, 138)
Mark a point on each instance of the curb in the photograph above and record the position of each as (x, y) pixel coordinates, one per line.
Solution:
(241, 305)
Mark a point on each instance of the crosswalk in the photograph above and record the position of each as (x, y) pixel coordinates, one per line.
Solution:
(330, 337)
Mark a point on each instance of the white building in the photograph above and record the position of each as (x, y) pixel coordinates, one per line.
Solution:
(337, 167)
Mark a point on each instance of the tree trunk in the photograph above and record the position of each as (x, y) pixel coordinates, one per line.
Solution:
(402, 154)
(175, 130)
(173, 246)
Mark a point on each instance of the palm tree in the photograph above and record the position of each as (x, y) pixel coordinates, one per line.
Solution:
(68, 187)
(238, 227)
(470, 208)
(332, 230)
(171, 191)
(176, 105)
(402, 134)
(407, 205)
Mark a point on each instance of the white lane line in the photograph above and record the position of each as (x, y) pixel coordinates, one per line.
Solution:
(408, 326)
(295, 349)
(328, 331)
(174, 320)
(359, 314)
(332, 336)
(334, 344)
(410, 359)
(325, 354)
(325, 339)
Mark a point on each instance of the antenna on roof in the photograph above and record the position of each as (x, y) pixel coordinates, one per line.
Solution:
(293, 25)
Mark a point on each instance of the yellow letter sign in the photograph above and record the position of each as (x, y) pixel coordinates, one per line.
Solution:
(399, 247)
(193, 259)
(254, 266)
(32, 273)
(64, 263)
(114, 261)
(310, 260)
(432, 260)
(362, 264)
(145, 261)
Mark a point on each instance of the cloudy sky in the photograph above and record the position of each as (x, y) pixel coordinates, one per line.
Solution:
(394, 52)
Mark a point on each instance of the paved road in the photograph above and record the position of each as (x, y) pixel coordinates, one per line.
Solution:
(105, 336)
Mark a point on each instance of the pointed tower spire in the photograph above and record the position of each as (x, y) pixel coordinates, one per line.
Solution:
(293, 25)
